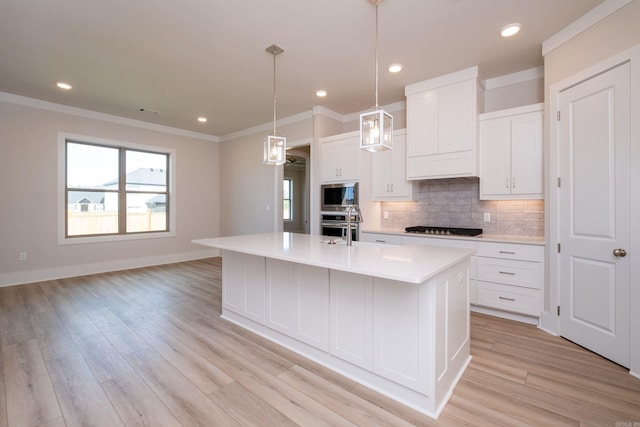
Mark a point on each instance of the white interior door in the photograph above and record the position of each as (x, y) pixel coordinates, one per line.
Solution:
(594, 214)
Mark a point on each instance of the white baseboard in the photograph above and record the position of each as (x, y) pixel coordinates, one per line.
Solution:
(42, 275)
(505, 315)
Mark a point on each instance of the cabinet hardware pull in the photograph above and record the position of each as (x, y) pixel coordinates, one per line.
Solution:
(508, 299)
(507, 272)
(380, 241)
(506, 182)
(507, 252)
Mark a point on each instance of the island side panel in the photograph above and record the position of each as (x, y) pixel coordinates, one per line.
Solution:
(452, 330)
(401, 333)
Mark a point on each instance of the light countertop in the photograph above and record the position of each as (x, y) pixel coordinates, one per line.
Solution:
(407, 263)
(481, 238)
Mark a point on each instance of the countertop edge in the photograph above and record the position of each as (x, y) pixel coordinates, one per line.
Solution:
(223, 243)
(494, 238)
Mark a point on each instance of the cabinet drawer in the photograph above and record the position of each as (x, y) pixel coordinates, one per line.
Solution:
(385, 239)
(509, 298)
(510, 272)
(511, 251)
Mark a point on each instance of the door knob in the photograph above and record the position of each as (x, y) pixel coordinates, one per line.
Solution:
(620, 253)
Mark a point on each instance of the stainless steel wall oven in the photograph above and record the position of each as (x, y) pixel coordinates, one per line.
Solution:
(334, 224)
(336, 199)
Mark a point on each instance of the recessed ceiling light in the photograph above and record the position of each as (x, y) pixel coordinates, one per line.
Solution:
(63, 85)
(321, 93)
(510, 30)
(202, 119)
(395, 68)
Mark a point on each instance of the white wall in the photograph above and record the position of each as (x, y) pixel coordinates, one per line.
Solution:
(28, 201)
(514, 95)
(251, 192)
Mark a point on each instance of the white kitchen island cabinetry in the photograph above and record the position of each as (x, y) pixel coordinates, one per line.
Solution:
(511, 154)
(389, 172)
(398, 316)
(442, 126)
(247, 295)
(297, 301)
(339, 157)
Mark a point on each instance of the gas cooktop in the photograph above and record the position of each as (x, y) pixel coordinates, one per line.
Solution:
(444, 231)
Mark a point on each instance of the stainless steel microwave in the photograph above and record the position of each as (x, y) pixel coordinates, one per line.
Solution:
(338, 197)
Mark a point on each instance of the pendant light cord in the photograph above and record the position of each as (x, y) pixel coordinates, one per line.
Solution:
(376, 54)
(274, 93)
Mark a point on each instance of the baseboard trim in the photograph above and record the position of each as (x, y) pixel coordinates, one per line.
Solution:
(43, 275)
(505, 315)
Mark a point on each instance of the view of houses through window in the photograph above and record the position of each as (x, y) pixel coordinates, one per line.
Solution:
(287, 192)
(115, 190)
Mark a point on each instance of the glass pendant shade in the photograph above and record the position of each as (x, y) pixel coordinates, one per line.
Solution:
(376, 130)
(275, 148)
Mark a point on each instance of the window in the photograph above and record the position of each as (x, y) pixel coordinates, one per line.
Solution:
(115, 190)
(287, 193)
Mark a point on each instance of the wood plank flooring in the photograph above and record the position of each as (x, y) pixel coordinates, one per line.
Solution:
(147, 347)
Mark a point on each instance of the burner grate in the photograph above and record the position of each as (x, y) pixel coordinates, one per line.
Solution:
(444, 231)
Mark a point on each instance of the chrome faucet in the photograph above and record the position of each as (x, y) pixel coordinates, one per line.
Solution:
(358, 219)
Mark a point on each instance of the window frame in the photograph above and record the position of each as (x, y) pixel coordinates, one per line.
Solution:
(63, 239)
(290, 199)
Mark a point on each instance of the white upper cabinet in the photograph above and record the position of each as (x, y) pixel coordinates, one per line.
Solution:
(511, 154)
(340, 157)
(388, 172)
(442, 126)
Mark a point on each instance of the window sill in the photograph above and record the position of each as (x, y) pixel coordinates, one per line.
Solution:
(114, 238)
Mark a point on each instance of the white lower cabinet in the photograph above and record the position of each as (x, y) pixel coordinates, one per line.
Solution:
(510, 277)
(509, 298)
(297, 301)
(351, 316)
(243, 282)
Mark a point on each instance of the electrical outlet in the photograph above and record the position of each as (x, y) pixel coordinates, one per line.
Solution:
(22, 256)
(385, 214)
(487, 217)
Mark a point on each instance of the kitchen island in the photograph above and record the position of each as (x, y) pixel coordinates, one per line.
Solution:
(393, 318)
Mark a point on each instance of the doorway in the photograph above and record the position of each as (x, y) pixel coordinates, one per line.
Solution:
(296, 190)
(593, 213)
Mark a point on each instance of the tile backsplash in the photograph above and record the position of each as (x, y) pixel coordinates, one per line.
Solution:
(455, 203)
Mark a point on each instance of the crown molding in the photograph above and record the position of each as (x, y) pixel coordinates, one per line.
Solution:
(89, 114)
(582, 24)
(267, 126)
(319, 110)
(389, 108)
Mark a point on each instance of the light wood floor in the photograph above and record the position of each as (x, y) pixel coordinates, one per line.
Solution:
(147, 347)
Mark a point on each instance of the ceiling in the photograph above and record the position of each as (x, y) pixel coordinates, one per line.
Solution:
(190, 58)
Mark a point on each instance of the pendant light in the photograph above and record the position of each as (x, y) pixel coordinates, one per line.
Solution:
(376, 125)
(275, 146)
